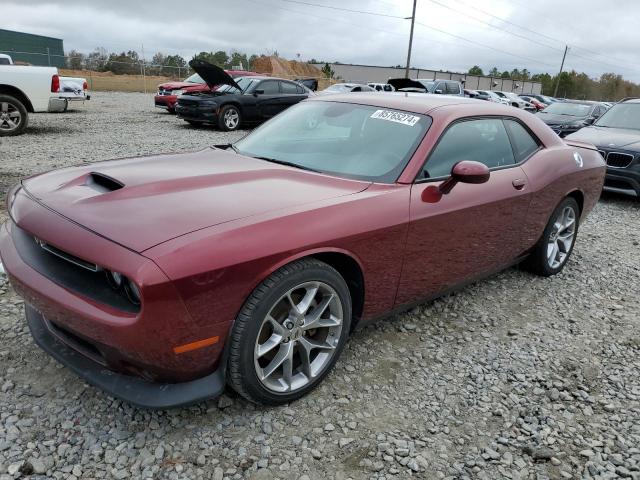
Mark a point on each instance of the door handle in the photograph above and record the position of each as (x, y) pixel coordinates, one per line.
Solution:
(519, 183)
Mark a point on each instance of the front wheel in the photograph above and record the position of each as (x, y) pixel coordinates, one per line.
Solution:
(229, 118)
(13, 116)
(289, 333)
(554, 248)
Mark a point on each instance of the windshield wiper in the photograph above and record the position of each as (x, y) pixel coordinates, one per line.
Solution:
(287, 164)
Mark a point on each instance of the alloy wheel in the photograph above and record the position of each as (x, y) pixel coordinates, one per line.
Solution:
(561, 237)
(10, 117)
(298, 337)
(231, 118)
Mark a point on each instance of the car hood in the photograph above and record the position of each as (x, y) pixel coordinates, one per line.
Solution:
(213, 75)
(555, 119)
(179, 85)
(142, 202)
(609, 137)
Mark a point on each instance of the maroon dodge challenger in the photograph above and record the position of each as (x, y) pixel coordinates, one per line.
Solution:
(162, 279)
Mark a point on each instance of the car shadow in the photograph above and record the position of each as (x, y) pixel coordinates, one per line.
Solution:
(620, 199)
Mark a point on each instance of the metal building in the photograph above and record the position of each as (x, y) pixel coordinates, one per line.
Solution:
(371, 73)
(33, 49)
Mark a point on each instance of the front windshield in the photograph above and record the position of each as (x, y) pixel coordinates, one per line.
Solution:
(195, 78)
(244, 83)
(342, 139)
(622, 115)
(569, 109)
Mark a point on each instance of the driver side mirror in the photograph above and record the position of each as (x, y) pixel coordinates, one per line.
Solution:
(258, 91)
(465, 171)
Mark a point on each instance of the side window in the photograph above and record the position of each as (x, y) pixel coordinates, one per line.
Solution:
(387, 88)
(453, 88)
(300, 89)
(483, 140)
(523, 143)
(270, 87)
(289, 88)
(356, 89)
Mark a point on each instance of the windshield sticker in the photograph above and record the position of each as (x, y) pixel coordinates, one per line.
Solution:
(390, 116)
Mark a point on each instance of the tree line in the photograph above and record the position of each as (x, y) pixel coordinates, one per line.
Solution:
(572, 84)
(131, 63)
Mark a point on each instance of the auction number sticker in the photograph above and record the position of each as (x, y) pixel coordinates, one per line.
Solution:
(398, 117)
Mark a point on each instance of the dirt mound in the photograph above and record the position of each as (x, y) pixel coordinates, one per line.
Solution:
(279, 67)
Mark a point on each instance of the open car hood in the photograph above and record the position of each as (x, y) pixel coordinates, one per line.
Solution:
(213, 75)
(399, 83)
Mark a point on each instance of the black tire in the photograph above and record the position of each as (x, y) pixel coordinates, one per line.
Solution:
(16, 109)
(241, 371)
(225, 125)
(538, 262)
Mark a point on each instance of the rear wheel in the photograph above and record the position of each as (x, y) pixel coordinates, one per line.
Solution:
(13, 116)
(229, 118)
(554, 248)
(289, 333)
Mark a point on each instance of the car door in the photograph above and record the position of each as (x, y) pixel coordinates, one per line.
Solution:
(268, 99)
(291, 94)
(475, 229)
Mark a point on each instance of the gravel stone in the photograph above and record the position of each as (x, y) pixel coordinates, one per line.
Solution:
(515, 377)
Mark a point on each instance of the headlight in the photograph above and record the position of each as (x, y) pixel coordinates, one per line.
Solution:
(115, 279)
(125, 286)
(133, 293)
(579, 123)
(178, 92)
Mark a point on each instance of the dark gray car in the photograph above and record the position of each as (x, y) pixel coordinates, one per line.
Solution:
(616, 134)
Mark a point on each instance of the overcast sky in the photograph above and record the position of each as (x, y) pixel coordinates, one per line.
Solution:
(603, 35)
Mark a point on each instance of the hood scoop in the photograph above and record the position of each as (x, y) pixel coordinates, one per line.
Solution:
(103, 183)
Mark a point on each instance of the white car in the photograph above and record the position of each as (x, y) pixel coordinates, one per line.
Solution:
(515, 101)
(494, 97)
(73, 89)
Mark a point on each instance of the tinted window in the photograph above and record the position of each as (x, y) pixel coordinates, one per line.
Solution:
(288, 87)
(483, 140)
(4, 61)
(270, 87)
(300, 89)
(453, 87)
(523, 143)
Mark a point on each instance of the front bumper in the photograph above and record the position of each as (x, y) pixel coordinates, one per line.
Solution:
(168, 102)
(131, 389)
(206, 114)
(139, 343)
(623, 180)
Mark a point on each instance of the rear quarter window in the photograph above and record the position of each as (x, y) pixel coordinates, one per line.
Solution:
(524, 144)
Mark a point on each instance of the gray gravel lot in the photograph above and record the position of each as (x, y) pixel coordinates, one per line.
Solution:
(516, 377)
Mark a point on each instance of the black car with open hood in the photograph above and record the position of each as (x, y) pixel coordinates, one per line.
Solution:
(237, 102)
(616, 134)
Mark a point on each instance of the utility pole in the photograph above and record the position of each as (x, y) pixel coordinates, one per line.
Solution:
(413, 21)
(555, 91)
(144, 76)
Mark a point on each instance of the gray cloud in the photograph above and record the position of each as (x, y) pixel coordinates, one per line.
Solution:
(603, 35)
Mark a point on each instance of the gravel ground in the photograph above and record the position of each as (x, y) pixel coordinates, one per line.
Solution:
(516, 377)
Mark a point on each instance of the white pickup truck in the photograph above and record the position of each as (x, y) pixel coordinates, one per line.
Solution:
(26, 89)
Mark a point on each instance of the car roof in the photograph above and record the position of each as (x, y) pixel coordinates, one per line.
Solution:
(408, 101)
(582, 102)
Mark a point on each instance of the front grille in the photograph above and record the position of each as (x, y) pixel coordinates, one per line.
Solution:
(66, 270)
(619, 160)
(77, 343)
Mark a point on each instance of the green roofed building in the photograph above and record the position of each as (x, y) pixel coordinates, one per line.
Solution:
(32, 49)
